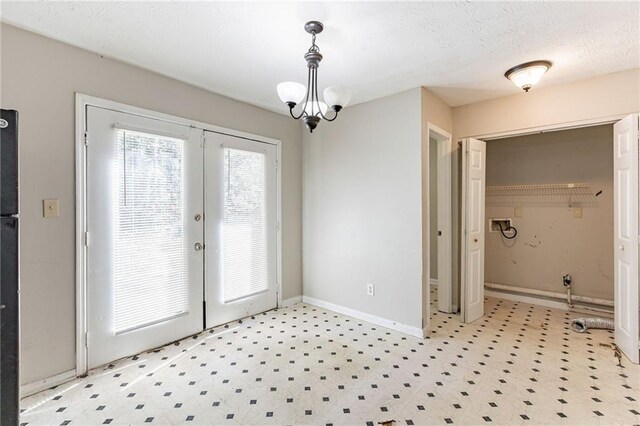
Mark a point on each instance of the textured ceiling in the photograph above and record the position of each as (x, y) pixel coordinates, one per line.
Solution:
(459, 50)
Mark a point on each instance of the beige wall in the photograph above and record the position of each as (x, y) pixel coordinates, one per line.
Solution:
(595, 98)
(39, 77)
(362, 209)
(550, 241)
(599, 97)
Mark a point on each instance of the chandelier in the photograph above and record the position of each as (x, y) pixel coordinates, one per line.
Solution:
(292, 93)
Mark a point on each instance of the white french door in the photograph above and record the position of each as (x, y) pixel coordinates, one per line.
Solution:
(143, 197)
(473, 203)
(625, 183)
(240, 227)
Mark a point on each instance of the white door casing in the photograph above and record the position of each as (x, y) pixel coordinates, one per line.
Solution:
(445, 286)
(626, 295)
(238, 237)
(472, 244)
(109, 336)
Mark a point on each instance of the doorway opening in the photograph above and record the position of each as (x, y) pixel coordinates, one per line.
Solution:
(548, 222)
(438, 231)
(550, 196)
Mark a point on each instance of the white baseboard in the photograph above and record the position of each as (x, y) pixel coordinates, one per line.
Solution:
(433, 281)
(526, 299)
(48, 383)
(393, 325)
(291, 301)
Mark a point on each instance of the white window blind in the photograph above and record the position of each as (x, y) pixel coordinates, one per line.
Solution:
(244, 236)
(150, 257)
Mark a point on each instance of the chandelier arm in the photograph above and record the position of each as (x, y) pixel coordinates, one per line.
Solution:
(304, 108)
(293, 116)
(306, 101)
(312, 88)
(329, 119)
(320, 109)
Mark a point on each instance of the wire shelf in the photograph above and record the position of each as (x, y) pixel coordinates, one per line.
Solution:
(550, 194)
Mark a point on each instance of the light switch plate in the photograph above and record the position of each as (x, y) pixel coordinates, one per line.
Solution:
(577, 212)
(50, 209)
(517, 212)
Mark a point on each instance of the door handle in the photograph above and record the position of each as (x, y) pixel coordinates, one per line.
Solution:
(621, 248)
(198, 246)
(197, 217)
(3, 306)
(475, 240)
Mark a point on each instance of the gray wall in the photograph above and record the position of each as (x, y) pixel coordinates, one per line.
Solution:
(39, 77)
(362, 209)
(550, 242)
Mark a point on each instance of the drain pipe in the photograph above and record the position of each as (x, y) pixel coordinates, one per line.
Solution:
(581, 325)
(550, 294)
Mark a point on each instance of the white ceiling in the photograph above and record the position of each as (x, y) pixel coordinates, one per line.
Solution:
(459, 50)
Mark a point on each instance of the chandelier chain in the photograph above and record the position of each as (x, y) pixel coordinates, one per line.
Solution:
(314, 48)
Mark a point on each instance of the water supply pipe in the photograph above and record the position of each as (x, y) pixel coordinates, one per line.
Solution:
(566, 281)
(549, 294)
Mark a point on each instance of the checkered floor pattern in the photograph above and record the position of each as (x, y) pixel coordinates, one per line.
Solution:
(520, 364)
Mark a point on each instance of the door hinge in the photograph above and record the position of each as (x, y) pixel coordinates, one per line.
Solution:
(277, 226)
(86, 138)
(86, 238)
(86, 339)
(277, 164)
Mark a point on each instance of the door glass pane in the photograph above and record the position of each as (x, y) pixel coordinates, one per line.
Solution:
(150, 257)
(244, 236)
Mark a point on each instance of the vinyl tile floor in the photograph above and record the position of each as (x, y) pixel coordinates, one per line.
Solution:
(520, 364)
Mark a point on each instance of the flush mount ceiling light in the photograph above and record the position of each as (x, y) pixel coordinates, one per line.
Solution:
(526, 75)
(291, 93)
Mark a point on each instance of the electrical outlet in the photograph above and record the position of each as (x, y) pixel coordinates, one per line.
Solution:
(370, 289)
(50, 209)
(517, 212)
(577, 212)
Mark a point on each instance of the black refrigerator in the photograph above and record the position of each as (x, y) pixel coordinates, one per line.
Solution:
(9, 279)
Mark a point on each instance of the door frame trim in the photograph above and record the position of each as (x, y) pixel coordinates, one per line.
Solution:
(82, 101)
(487, 137)
(554, 127)
(443, 162)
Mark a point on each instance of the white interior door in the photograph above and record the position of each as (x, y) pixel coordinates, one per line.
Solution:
(472, 256)
(144, 274)
(240, 227)
(626, 235)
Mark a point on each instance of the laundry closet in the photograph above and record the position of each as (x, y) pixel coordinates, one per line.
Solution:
(550, 218)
